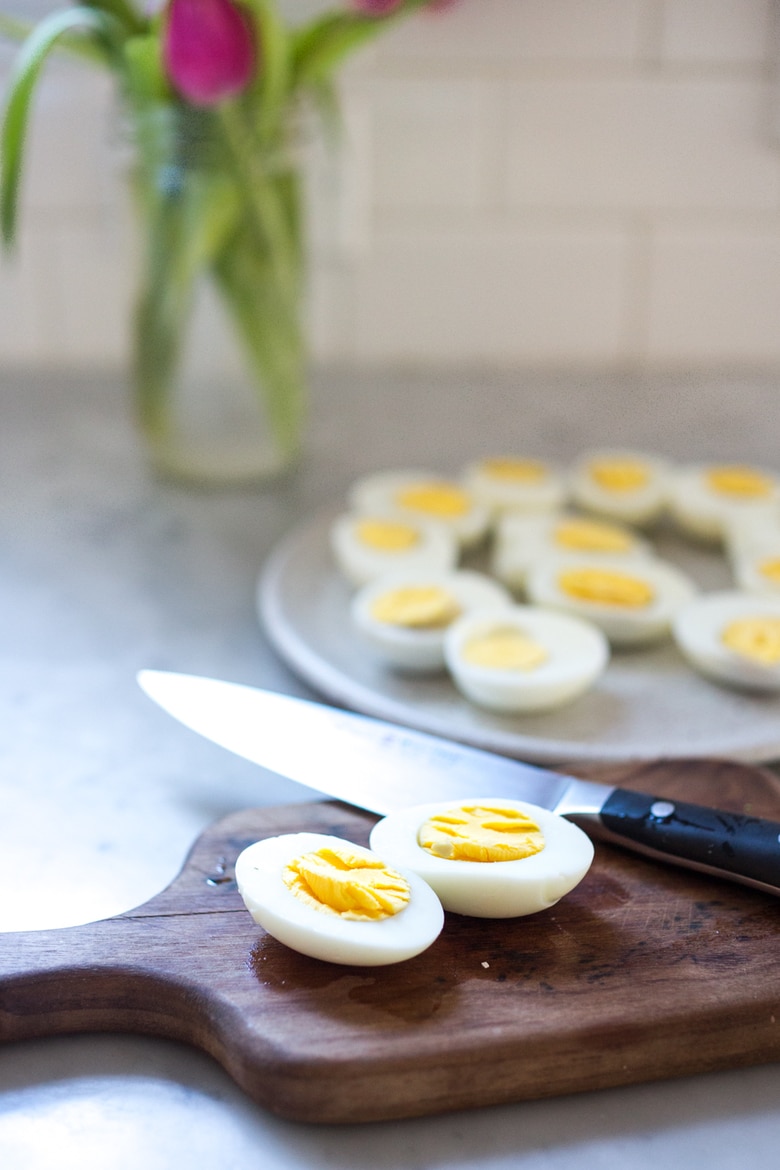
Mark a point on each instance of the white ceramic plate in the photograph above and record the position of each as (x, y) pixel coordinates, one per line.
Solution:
(649, 703)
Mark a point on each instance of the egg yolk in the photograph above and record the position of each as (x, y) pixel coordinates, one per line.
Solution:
(743, 482)
(387, 535)
(756, 638)
(436, 499)
(504, 648)
(425, 607)
(350, 885)
(619, 475)
(591, 536)
(771, 570)
(606, 587)
(515, 470)
(480, 833)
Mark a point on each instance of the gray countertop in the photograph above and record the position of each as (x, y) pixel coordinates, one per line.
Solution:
(105, 570)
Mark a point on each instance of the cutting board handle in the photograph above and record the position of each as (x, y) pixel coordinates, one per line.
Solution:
(147, 970)
(120, 974)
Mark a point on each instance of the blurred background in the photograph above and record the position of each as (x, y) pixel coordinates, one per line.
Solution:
(537, 183)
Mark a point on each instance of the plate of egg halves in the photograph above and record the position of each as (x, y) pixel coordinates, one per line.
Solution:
(617, 608)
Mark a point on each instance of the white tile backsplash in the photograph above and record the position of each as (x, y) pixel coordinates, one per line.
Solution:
(715, 287)
(541, 182)
(492, 296)
(715, 30)
(639, 144)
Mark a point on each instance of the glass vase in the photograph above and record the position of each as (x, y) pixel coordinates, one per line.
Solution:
(219, 361)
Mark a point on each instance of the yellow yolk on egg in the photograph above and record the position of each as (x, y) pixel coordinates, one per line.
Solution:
(504, 648)
(591, 536)
(771, 570)
(479, 833)
(387, 535)
(606, 587)
(742, 482)
(435, 499)
(515, 470)
(756, 638)
(619, 475)
(350, 885)
(417, 606)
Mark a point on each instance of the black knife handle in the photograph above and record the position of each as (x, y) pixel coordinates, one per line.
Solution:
(732, 845)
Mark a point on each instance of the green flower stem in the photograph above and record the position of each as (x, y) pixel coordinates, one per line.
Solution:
(259, 175)
(213, 215)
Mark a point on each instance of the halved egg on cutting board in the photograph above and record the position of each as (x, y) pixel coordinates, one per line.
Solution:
(732, 637)
(422, 495)
(632, 604)
(404, 617)
(487, 858)
(330, 899)
(524, 658)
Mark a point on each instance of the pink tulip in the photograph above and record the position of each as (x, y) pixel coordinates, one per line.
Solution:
(208, 49)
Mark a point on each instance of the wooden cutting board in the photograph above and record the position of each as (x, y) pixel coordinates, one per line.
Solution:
(643, 972)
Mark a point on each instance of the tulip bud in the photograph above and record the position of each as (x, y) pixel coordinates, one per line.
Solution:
(208, 49)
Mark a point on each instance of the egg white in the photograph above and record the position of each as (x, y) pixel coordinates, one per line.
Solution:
(701, 512)
(500, 493)
(747, 568)
(577, 655)
(697, 631)
(379, 494)
(623, 625)
(520, 541)
(642, 505)
(311, 932)
(435, 548)
(494, 889)
(420, 649)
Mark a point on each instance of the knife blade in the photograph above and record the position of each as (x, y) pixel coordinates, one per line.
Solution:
(381, 766)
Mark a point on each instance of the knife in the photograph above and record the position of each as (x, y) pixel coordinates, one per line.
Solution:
(382, 766)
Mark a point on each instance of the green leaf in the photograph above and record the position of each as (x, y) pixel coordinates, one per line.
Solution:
(145, 77)
(274, 74)
(124, 13)
(322, 45)
(78, 46)
(29, 62)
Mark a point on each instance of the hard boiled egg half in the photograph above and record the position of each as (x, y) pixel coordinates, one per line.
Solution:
(732, 637)
(404, 617)
(625, 485)
(423, 495)
(487, 858)
(366, 547)
(707, 501)
(520, 541)
(632, 604)
(523, 658)
(332, 900)
(517, 483)
(757, 568)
